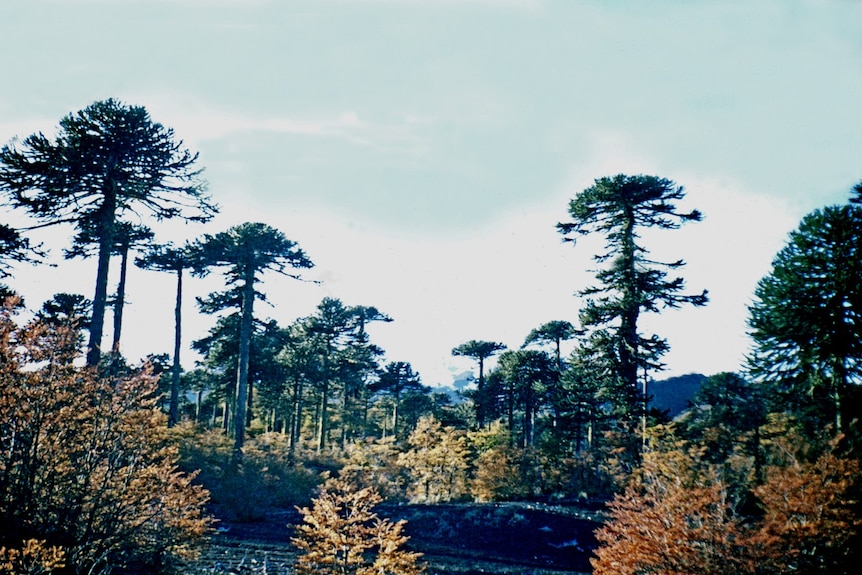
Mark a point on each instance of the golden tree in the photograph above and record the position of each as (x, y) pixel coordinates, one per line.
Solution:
(437, 462)
(341, 534)
(811, 521)
(675, 518)
(497, 473)
(85, 462)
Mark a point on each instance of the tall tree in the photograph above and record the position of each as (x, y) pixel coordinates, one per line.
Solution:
(108, 160)
(630, 282)
(805, 321)
(397, 379)
(245, 252)
(555, 332)
(346, 356)
(126, 237)
(527, 375)
(479, 351)
(168, 258)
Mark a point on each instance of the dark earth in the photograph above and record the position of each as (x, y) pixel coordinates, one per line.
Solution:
(456, 539)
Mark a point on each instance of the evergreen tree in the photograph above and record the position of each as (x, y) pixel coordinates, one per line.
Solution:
(245, 251)
(630, 283)
(126, 237)
(108, 160)
(15, 248)
(480, 351)
(168, 258)
(805, 321)
(396, 380)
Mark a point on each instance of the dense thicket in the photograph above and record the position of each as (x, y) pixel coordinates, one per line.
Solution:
(85, 464)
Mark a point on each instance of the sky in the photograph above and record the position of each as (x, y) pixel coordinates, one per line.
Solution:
(421, 152)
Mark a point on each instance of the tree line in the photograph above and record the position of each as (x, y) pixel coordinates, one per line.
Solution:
(537, 425)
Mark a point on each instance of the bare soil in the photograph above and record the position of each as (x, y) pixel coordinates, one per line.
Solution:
(462, 539)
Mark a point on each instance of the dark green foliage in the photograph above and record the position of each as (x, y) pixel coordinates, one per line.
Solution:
(805, 321)
(630, 283)
(725, 415)
(554, 332)
(526, 376)
(15, 248)
(244, 252)
(107, 161)
(396, 381)
(480, 351)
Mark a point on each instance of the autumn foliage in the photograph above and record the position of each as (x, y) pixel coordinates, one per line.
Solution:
(680, 515)
(86, 467)
(342, 534)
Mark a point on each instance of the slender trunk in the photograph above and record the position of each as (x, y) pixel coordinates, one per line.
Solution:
(173, 412)
(106, 246)
(120, 302)
(246, 319)
(480, 395)
(397, 397)
(297, 416)
(322, 427)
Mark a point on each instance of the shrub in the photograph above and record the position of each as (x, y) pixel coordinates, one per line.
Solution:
(341, 534)
(86, 464)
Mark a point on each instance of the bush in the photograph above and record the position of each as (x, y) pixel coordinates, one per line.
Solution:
(341, 534)
(265, 480)
(86, 464)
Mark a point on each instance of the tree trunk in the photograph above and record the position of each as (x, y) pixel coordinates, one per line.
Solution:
(106, 246)
(119, 303)
(246, 319)
(173, 412)
(322, 427)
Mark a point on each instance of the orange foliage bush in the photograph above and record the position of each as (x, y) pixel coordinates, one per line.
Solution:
(341, 534)
(85, 461)
(678, 517)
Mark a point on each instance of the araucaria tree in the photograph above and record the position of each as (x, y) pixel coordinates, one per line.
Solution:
(480, 351)
(107, 161)
(805, 321)
(245, 252)
(630, 283)
(168, 258)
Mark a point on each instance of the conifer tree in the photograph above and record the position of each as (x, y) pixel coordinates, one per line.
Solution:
(480, 351)
(245, 252)
(107, 160)
(806, 320)
(630, 283)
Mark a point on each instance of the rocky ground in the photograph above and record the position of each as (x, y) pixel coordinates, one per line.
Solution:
(469, 539)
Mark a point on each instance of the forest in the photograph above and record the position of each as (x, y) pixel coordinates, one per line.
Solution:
(111, 465)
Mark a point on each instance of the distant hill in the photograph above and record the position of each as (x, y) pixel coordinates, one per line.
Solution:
(674, 393)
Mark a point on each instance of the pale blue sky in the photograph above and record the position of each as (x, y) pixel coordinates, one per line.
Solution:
(421, 151)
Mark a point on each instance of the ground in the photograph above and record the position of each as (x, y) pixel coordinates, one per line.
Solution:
(466, 539)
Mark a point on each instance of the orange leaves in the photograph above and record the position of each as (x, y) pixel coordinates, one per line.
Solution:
(33, 558)
(341, 534)
(678, 517)
(85, 461)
